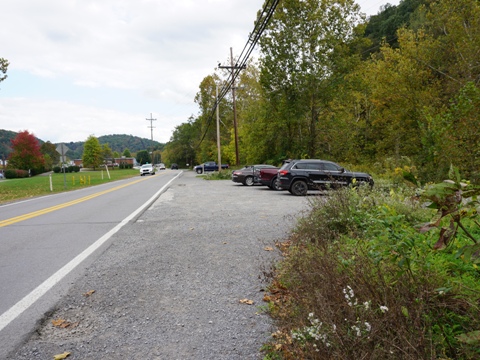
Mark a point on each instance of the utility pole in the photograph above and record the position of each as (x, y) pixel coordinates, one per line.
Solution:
(218, 133)
(151, 131)
(232, 68)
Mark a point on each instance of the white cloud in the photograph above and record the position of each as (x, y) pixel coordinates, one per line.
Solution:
(81, 67)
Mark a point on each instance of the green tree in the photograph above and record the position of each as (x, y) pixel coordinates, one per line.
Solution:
(50, 153)
(26, 154)
(206, 143)
(47, 148)
(92, 153)
(296, 65)
(143, 157)
(181, 147)
(127, 153)
(459, 133)
(107, 153)
(256, 133)
(383, 26)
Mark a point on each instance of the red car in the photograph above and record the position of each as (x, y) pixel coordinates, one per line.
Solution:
(246, 174)
(268, 177)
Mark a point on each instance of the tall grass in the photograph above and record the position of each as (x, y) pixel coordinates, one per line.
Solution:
(358, 281)
(17, 189)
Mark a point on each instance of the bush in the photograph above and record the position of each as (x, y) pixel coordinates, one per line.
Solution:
(125, 166)
(57, 169)
(222, 175)
(359, 281)
(16, 174)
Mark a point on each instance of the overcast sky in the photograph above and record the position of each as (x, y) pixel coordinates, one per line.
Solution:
(84, 67)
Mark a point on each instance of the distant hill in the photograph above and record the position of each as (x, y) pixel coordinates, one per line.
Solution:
(116, 142)
(5, 145)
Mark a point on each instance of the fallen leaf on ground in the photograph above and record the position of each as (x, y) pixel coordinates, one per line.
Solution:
(61, 323)
(61, 356)
(88, 293)
(246, 301)
(268, 248)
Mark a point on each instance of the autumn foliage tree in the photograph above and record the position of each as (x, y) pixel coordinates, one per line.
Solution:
(26, 154)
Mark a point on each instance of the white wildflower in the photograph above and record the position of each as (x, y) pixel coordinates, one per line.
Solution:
(368, 327)
(357, 330)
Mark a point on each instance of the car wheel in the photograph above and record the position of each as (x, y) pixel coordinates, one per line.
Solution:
(299, 188)
(199, 171)
(275, 184)
(248, 181)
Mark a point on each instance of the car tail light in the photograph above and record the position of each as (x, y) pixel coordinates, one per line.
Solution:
(283, 172)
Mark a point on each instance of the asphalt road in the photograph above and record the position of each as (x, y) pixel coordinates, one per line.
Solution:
(168, 284)
(45, 240)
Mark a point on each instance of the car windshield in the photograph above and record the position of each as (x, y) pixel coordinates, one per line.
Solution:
(146, 166)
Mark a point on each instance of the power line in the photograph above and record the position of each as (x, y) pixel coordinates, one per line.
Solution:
(260, 25)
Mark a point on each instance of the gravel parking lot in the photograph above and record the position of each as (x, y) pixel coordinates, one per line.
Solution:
(170, 286)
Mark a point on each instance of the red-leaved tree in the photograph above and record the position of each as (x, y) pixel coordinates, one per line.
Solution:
(26, 154)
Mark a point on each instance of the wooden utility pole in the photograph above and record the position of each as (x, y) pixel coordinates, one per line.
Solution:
(218, 132)
(232, 68)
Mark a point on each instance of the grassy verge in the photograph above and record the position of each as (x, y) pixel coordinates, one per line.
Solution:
(359, 281)
(17, 189)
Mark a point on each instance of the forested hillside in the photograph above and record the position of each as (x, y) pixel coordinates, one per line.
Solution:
(117, 143)
(397, 90)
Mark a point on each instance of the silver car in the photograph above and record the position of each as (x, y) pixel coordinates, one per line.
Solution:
(147, 169)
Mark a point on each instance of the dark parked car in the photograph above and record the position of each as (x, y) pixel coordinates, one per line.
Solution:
(174, 166)
(299, 176)
(245, 175)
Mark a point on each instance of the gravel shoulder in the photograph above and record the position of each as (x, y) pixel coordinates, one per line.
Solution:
(170, 285)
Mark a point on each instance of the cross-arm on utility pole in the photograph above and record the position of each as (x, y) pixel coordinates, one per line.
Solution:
(151, 131)
(232, 68)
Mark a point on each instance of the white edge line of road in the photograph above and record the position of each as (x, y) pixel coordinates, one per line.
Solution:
(16, 310)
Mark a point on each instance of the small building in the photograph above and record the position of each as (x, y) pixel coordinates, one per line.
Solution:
(117, 161)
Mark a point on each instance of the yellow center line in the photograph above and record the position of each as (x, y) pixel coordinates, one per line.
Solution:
(61, 206)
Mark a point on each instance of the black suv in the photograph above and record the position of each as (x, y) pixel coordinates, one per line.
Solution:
(299, 176)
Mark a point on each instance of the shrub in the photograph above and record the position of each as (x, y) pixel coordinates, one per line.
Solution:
(222, 175)
(359, 281)
(16, 174)
(57, 169)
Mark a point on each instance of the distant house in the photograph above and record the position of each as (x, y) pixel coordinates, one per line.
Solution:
(125, 160)
(117, 161)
